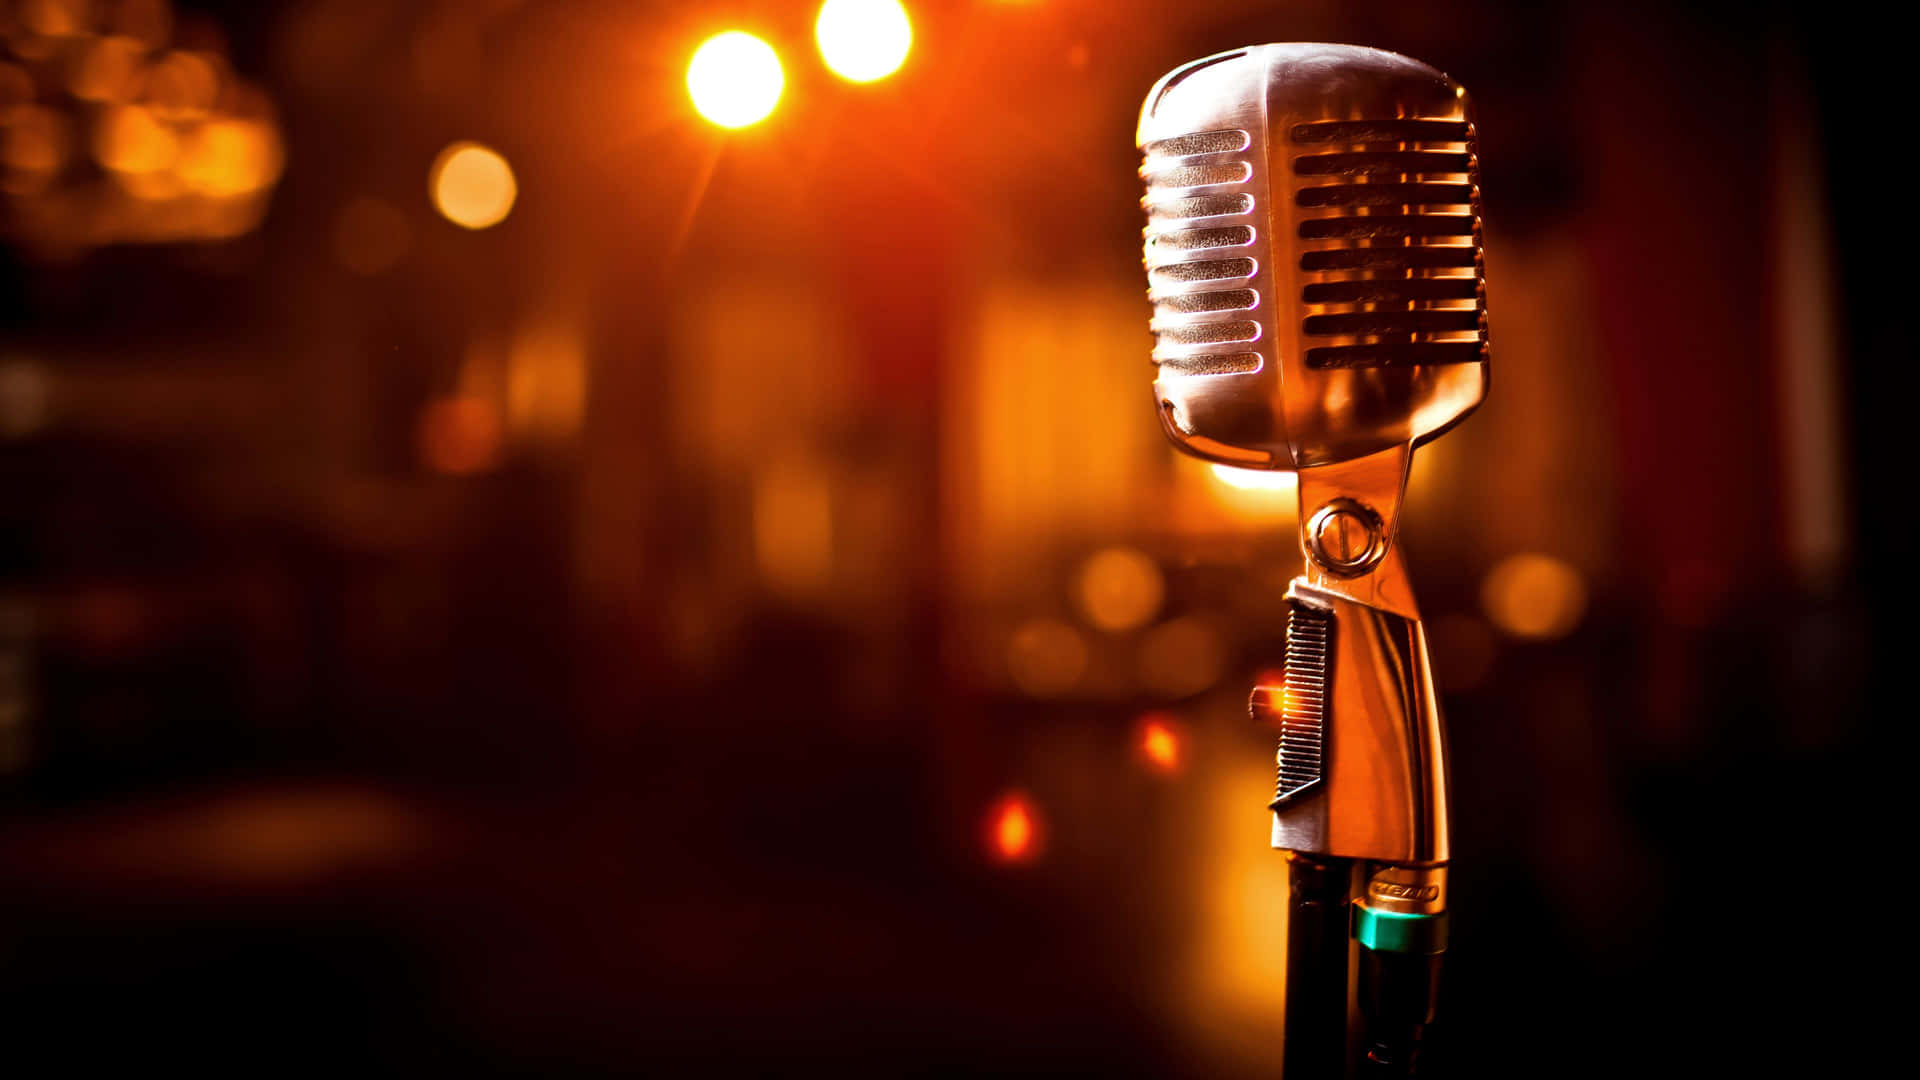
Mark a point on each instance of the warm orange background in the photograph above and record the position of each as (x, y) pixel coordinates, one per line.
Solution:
(731, 609)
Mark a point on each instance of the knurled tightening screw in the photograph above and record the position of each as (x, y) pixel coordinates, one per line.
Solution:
(1344, 537)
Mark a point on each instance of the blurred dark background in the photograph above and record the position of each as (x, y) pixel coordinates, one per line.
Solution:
(498, 574)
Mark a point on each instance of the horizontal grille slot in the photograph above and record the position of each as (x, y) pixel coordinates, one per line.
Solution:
(1213, 364)
(1210, 270)
(1202, 206)
(1415, 258)
(1396, 355)
(1380, 131)
(1413, 162)
(1391, 290)
(1210, 333)
(1398, 227)
(1204, 142)
(1184, 176)
(1196, 239)
(1386, 195)
(1392, 322)
(1224, 300)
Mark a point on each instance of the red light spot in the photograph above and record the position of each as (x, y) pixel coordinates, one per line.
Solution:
(1160, 742)
(1014, 830)
(459, 435)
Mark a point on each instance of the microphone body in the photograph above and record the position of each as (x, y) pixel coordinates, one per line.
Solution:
(1313, 256)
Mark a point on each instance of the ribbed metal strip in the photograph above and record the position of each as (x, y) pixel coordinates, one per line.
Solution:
(1299, 703)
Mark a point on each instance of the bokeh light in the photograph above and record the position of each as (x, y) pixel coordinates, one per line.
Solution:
(735, 79)
(863, 40)
(1014, 829)
(230, 157)
(1534, 596)
(1119, 589)
(129, 139)
(1181, 657)
(472, 185)
(109, 69)
(1160, 742)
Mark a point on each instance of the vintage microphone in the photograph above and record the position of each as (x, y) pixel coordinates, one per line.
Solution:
(1314, 261)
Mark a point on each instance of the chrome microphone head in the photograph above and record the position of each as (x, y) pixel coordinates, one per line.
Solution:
(1313, 254)
(1314, 261)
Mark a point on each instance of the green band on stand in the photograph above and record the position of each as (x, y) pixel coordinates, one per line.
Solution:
(1393, 931)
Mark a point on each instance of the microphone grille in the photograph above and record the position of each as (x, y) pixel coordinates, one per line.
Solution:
(1203, 275)
(1389, 234)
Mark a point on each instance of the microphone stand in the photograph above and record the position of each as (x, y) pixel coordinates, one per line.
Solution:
(1360, 805)
(1319, 984)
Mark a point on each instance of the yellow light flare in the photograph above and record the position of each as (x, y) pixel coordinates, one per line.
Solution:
(128, 139)
(1013, 829)
(1256, 479)
(863, 40)
(1120, 589)
(1160, 742)
(735, 79)
(472, 185)
(230, 157)
(1534, 596)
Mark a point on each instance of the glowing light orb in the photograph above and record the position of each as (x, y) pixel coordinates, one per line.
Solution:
(472, 185)
(1120, 589)
(1013, 829)
(735, 79)
(863, 40)
(1534, 596)
(1159, 742)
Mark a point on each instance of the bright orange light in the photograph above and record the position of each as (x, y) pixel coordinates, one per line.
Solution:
(1119, 589)
(472, 185)
(863, 40)
(230, 157)
(735, 79)
(1014, 829)
(1256, 479)
(1160, 742)
(1534, 596)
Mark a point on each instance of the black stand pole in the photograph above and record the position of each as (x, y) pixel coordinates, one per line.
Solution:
(1315, 1038)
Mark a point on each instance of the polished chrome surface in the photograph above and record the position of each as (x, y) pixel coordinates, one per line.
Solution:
(1383, 792)
(1345, 537)
(1312, 253)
